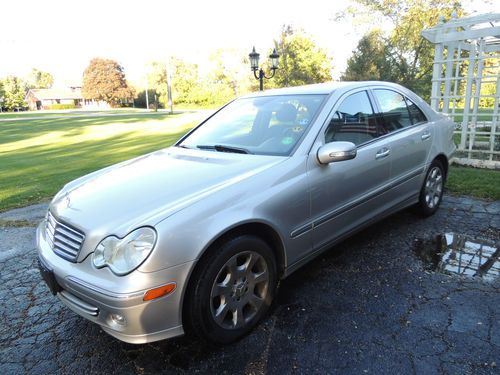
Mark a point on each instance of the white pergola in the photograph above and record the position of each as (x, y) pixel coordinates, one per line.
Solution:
(466, 84)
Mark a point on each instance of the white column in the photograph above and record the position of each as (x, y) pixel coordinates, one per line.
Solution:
(477, 95)
(468, 95)
(436, 76)
(450, 55)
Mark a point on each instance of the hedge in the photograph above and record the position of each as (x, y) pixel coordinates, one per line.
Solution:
(61, 106)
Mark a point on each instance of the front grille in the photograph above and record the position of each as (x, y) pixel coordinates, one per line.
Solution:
(63, 239)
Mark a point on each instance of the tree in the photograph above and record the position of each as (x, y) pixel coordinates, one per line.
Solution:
(301, 61)
(411, 56)
(14, 92)
(230, 71)
(104, 79)
(38, 79)
(371, 60)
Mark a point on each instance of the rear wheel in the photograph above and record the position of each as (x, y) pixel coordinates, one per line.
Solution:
(234, 289)
(432, 190)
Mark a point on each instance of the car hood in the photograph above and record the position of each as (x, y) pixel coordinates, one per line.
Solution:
(150, 188)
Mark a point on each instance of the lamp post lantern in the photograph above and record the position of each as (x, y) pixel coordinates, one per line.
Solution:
(254, 65)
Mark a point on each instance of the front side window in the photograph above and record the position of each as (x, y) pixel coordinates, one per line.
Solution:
(395, 113)
(266, 125)
(353, 121)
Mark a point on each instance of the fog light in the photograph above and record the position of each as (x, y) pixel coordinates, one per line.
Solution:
(118, 319)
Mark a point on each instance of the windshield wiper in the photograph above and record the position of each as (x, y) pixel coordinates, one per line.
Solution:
(185, 146)
(224, 148)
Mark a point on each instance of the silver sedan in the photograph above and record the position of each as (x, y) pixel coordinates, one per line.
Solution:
(196, 236)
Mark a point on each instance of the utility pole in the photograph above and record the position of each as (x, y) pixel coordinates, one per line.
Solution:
(169, 86)
(147, 97)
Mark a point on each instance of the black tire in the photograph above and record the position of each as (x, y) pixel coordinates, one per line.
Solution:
(432, 189)
(237, 280)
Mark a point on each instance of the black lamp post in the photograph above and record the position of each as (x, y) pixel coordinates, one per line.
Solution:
(254, 65)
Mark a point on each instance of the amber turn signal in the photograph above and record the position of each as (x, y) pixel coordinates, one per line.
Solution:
(159, 292)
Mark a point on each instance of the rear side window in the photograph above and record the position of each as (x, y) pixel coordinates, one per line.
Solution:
(353, 121)
(416, 114)
(395, 114)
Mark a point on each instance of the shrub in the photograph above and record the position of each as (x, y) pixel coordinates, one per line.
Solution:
(61, 106)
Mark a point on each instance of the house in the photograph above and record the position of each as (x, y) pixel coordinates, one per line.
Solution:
(43, 98)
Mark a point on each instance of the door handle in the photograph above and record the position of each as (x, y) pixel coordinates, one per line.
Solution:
(382, 153)
(426, 135)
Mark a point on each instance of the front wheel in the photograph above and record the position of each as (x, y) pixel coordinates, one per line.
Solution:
(432, 190)
(234, 289)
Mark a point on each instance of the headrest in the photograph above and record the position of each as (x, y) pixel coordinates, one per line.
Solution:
(286, 113)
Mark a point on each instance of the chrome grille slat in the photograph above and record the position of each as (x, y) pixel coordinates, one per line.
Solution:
(61, 245)
(71, 242)
(69, 235)
(70, 231)
(64, 240)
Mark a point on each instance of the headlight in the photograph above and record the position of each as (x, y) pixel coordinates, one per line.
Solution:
(125, 255)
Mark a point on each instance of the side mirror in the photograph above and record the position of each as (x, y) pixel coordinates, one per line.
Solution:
(336, 151)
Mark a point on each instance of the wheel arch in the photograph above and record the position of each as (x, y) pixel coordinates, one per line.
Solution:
(444, 161)
(261, 230)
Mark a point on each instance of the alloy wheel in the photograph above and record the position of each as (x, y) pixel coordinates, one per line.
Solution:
(433, 187)
(239, 290)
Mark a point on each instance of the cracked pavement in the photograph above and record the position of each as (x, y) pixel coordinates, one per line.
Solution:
(368, 305)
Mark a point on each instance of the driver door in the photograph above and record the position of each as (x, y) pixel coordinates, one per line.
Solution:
(346, 194)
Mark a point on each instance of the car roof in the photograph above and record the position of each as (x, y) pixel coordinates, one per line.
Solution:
(322, 88)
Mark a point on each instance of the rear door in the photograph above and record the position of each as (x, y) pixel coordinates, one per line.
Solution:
(409, 137)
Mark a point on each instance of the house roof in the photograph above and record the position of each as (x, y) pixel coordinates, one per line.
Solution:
(65, 93)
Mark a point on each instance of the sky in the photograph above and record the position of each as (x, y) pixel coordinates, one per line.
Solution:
(61, 37)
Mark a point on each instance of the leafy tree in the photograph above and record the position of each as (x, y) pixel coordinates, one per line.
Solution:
(185, 81)
(371, 60)
(411, 56)
(231, 72)
(104, 79)
(14, 92)
(301, 61)
(38, 79)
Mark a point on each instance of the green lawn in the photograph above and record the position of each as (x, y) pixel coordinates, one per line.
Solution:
(481, 183)
(38, 156)
(483, 114)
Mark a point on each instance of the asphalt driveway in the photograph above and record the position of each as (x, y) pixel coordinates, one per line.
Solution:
(369, 305)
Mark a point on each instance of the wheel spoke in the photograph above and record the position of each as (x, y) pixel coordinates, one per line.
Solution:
(255, 301)
(232, 266)
(260, 277)
(238, 319)
(252, 259)
(221, 312)
(221, 290)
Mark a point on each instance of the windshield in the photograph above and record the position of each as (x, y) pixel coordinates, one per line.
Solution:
(267, 125)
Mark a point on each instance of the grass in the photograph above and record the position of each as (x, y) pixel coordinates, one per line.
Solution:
(71, 112)
(481, 183)
(483, 114)
(38, 156)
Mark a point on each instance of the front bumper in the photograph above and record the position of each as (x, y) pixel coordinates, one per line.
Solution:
(100, 296)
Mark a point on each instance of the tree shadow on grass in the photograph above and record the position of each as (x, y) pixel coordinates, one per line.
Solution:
(42, 170)
(13, 131)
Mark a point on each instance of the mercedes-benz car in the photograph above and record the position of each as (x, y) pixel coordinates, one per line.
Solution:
(196, 236)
